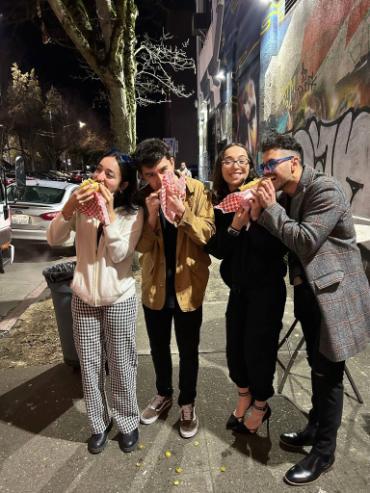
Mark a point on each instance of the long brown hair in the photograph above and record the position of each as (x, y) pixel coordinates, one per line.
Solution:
(220, 188)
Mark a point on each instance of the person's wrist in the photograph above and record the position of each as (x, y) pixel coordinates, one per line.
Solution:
(66, 215)
(233, 231)
(236, 227)
(67, 211)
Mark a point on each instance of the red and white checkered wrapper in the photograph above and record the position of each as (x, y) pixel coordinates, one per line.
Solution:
(96, 207)
(175, 185)
(234, 201)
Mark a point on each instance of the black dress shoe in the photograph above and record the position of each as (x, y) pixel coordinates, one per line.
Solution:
(127, 441)
(96, 443)
(298, 439)
(309, 469)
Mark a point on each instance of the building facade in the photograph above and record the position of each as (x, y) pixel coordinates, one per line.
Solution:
(288, 65)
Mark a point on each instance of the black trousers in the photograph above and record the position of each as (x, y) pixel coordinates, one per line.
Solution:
(326, 376)
(253, 324)
(187, 331)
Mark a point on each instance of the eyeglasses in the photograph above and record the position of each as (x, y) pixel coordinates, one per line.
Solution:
(271, 164)
(242, 161)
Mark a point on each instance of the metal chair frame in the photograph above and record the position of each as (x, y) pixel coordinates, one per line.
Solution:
(293, 356)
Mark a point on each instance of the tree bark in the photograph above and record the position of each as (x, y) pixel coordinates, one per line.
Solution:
(122, 116)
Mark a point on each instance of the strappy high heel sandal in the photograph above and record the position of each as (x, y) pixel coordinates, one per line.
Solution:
(266, 409)
(234, 421)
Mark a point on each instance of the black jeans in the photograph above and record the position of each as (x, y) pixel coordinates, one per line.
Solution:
(253, 324)
(326, 376)
(187, 331)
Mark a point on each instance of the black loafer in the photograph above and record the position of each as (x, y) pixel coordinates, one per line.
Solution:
(127, 441)
(309, 469)
(96, 443)
(298, 439)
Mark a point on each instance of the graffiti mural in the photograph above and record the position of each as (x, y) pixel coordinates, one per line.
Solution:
(315, 83)
(342, 148)
(247, 130)
(239, 54)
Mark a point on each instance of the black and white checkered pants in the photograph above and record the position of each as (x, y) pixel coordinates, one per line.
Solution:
(107, 333)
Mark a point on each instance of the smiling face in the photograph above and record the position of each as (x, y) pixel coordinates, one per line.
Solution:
(235, 167)
(154, 175)
(108, 172)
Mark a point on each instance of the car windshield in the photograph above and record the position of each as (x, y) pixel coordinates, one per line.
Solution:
(36, 194)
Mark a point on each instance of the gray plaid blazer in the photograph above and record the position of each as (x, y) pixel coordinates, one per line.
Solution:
(320, 232)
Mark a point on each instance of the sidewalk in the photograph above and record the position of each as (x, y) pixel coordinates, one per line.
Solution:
(43, 429)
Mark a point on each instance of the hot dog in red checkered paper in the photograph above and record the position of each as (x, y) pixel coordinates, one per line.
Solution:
(171, 184)
(96, 207)
(234, 201)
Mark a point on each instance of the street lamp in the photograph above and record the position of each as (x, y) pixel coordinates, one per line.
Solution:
(79, 123)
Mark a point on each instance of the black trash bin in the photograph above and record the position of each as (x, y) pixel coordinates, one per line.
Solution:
(58, 278)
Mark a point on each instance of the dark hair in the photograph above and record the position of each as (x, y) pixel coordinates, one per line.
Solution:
(125, 198)
(220, 188)
(149, 152)
(279, 141)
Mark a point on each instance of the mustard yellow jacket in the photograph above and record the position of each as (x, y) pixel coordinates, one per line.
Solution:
(194, 230)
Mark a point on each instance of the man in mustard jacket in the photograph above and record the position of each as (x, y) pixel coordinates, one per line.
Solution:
(174, 278)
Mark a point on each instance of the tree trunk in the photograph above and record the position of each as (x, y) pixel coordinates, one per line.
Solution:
(122, 115)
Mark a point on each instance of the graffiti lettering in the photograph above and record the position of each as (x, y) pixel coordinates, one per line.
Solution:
(301, 83)
(277, 9)
(342, 148)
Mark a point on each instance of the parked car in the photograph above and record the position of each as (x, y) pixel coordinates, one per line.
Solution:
(33, 208)
(6, 249)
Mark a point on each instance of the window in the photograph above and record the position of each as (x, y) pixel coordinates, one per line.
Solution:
(36, 194)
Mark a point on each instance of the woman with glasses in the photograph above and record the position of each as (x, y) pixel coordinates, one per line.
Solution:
(104, 305)
(253, 267)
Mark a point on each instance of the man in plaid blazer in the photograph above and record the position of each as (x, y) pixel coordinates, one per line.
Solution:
(331, 291)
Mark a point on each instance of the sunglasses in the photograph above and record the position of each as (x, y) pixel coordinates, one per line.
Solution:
(271, 164)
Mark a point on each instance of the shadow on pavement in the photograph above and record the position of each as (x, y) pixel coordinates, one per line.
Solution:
(45, 405)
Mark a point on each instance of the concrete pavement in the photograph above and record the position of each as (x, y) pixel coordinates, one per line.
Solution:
(43, 429)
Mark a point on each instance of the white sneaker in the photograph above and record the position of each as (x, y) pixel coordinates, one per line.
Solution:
(155, 408)
(189, 423)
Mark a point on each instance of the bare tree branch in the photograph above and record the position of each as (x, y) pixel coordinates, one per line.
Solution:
(157, 62)
(75, 34)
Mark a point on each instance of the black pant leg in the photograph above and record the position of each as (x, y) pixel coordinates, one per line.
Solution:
(263, 323)
(328, 385)
(327, 376)
(235, 332)
(187, 330)
(158, 325)
(307, 311)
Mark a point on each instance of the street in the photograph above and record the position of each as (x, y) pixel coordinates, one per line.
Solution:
(24, 276)
(43, 426)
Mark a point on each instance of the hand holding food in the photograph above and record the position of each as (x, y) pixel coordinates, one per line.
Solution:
(94, 199)
(242, 199)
